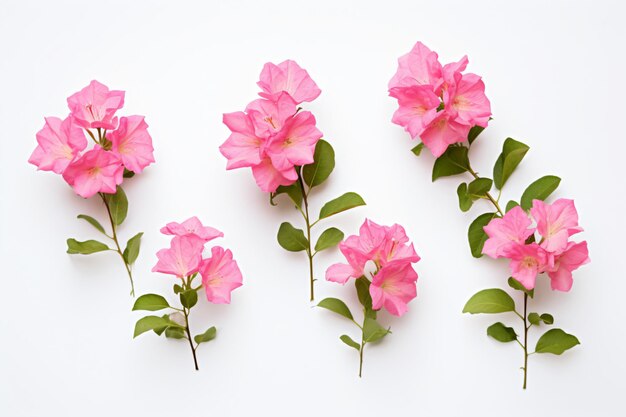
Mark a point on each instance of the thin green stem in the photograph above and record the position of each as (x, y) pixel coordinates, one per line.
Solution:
(362, 344)
(193, 348)
(309, 252)
(525, 340)
(489, 196)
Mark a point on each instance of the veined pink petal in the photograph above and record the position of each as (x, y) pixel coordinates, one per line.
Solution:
(527, 261)
(467, 97)
(287, 77)
(59, 143)
(442, 132)
(419, 67)
(295, 143)
(220, 275)
(556, 222)
(572, 258)
(243, 146)
(340, 273)
(95, 105)
(96, 171)
(182, 258)
(269, 117)
(268, 178)
(192, 226)
(393, 287)
(506, 232)
(132, 142)
(417, 108)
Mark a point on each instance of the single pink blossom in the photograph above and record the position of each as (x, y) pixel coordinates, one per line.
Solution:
(95, 105)
(467, 97)
(243, 146)
(220, 275)
(507, 232)
(443, 131)
(96, 171)
(573, 257)
(290, 78)
(393, 287)
(556, 222)
(269, 116)
(269, 178)
(527, 261)
(351, 250)
(417, 108)
(295, 143)
(419, 67)
(182, 258)
(191, 226)
(59, 143)
(132, 142)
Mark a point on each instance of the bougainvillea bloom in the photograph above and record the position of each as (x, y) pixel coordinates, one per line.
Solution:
(192, 226)
(288, 77)
(96, 171)
(393, 287)
(243, 146)
(419, 67)
(182, 258)
(556, 222)
(220, 275)
(59, 143)
(417, 108)
(132, 142)
(467, 98)
(506, 232)
(527, 261)
(295, 143)
(95, 105)
(269, 116)
(573, 257)
(442, 132)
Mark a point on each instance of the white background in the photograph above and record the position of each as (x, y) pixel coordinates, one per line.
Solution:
(554, 73)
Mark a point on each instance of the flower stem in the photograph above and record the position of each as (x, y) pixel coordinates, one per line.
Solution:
(525, 341)
(489, 196)
(307, 220)
(117, 244)
(362, 343)
(193, 349)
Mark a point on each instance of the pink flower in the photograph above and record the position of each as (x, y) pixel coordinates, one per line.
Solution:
(527, 261)
(295, 143)
(243, 146)
(290, 78)
(393, 287)
(443, 131)
(269, 178)
(94, 106)
(182, 258)
(467, 97)
(97, 171)
(418, 108)
(507, 232)
(132, 142)
(191, 226)
(574, 256)
(269, 116)
(220, 275)
(556, 222)
(59, 143)
(419, 67)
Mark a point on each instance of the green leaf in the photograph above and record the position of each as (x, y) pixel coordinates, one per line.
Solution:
(206, 336)
(476, 235)
(501, 333)
(329, 238)
(516, 285)
(188, 298)
(132, 248)
(372, 331)
(294, 191)
(175, 333)
(539, 190)
(479, 187)
(150, 323)
(465, 201)
(345, 202)
(362, 285)
(150, 302)
(512, 154)
(85, 248)
(511, 204)
(128, 174)
(292, 239)
(177, 289)
(454, 161)
(547, 318)
(92, 222)
(556, 341)
(489, 301)
(534, 318)
(159, 330)
(323, 164)
(348, 341)
(473, 133)
(417, 150)
(118, 205)
(336, 306)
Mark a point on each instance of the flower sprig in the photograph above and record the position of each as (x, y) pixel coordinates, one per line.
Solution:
(122, 148)
(280, 142)
(184, 259)
(448, 109)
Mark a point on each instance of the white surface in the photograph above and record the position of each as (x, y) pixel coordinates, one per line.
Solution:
(554, 76)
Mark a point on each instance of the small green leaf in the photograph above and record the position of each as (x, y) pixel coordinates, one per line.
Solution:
(292, 239)
(206, 336)
(516, 285)
(128, 174)
(323, 164)
(512, 154)
(92, 222)
(556, 341)
(175, 333)
(372, 331)
(534, 318)
(177, 289)
(328, 239)
(501, 333)
(465, 201)
(454, 161)
(511, 204)
(188, 298)
(348, 341)
(417, 150)
(336, 306)
(473, 133)
(150, 323)
(547, 318)
(159, 330)
(345, 202)
(150, 302)
(362, 285)
(489, 301)
(132, 248)
(118, 205)
(539, 190)
(476, 235)
(85, 248)
(479, 187)
(294, 191)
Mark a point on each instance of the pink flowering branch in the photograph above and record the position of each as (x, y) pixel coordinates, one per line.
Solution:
(122, 148)
(448, 109)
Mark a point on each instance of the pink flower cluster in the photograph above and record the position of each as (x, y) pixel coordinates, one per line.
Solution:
(220, 273)
(272, 136)
(553, 253)
(387, 251)
(120, 144)
(437, 103)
